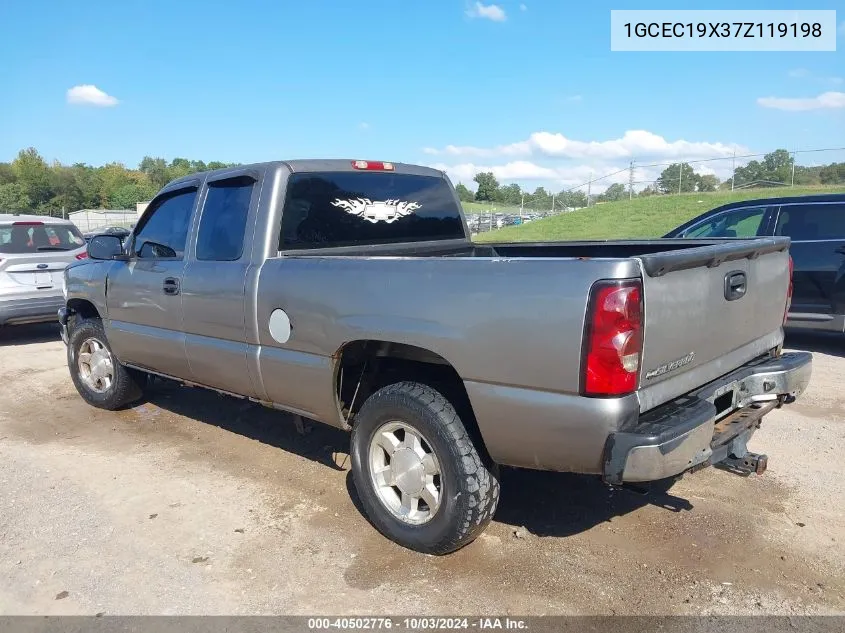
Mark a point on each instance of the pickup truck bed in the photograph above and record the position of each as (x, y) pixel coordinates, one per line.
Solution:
(353, 296)
(658, 256)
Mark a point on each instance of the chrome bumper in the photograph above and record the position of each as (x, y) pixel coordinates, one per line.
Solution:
(708, 425)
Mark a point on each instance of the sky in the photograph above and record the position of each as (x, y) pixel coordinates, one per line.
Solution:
(529, 90)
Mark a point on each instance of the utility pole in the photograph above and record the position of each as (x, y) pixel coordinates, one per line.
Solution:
(631, 181)
(680, 176)
(553, 204)
(794, 156)
(733, 170)
(589, 186)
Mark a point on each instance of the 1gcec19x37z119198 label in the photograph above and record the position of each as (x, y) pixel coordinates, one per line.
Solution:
(723, 30)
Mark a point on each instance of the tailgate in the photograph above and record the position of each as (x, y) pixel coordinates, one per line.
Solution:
(708, 310)
(39, 273)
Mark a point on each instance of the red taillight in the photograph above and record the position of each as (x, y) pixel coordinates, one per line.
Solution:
(27, 224)
(613, 339)
(82, 256)
(372, 165)
(788, 291)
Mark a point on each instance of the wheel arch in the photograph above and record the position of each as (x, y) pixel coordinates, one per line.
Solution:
(366, 365)
(84, 308)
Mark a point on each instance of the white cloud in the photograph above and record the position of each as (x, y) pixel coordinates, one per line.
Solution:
(636, 144)
(798, 73)
(556, 162)
(88, 94)
(515, 170)
(522, 7)
(827, 100)
(363, 125)
(575, 98)
(487, 12)
(803, 73)
(530, 175)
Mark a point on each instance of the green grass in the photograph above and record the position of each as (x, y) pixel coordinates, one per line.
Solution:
(638, 218)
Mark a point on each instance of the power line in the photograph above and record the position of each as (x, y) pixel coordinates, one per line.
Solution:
(702, 160)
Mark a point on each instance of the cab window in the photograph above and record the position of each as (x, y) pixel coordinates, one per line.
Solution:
(812, 221)
(743, 222)
(223, 221)
(164, 231)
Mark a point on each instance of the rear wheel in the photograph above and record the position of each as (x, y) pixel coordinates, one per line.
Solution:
(97, 375)
(420, 478)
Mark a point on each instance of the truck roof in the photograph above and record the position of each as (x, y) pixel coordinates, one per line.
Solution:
(305, 165)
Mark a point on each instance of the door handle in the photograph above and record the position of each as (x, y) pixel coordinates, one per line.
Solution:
(736, 283)
(171, 286)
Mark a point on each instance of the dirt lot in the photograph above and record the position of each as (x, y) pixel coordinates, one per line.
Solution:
(191, 503)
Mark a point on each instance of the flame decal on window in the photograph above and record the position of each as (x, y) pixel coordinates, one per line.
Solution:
(387, 211)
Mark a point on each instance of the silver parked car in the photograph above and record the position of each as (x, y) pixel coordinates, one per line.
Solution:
(34, 251)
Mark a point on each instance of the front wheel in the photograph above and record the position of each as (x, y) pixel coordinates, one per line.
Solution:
(97, 375)
(419, 476)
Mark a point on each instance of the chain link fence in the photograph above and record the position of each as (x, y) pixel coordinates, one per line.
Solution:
(483, 217)
(88, 220)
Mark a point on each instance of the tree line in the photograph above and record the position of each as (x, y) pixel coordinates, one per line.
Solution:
(29, 184)
(776, 168)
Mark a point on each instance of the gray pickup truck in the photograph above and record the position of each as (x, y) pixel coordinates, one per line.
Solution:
(349, 292)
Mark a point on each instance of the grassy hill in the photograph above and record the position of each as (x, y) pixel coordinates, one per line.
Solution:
(638, 218)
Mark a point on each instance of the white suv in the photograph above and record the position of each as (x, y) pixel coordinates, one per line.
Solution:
(34, 251)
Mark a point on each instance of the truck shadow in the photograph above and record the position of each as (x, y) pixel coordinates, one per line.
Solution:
(320, 443)
(563, 504)
(822, 342)
(545, 503)
(11, 335)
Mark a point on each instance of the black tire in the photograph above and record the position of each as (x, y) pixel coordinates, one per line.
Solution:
(469, 484)
(126, 384)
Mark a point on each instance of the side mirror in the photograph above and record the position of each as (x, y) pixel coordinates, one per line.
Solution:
(108, 247)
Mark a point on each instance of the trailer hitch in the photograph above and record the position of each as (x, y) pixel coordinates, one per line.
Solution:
(749, 463)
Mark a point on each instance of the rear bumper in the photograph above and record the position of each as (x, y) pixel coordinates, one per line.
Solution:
(37, 310)
(692, 431)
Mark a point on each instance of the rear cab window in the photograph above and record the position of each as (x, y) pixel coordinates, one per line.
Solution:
(223, 220)
(328, 209)
(36, 237)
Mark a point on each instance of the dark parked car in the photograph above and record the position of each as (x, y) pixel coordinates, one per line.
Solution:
(119, 231)
(816, 225)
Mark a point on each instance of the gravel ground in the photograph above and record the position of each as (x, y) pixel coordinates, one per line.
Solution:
(191, 503)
